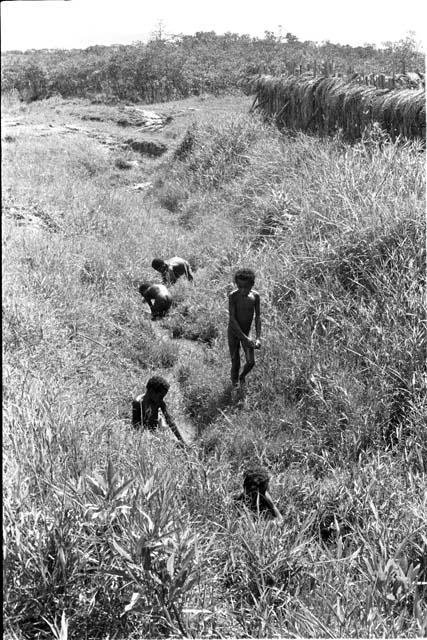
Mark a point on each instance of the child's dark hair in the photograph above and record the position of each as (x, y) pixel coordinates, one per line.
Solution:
(158, 264)
(143, 287)
(247, 275)
(157, 383)
(257, 477)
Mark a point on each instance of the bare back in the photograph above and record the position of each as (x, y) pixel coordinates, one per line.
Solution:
(178, 267)
(157, 292)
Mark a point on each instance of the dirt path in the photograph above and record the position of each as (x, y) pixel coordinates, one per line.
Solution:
(188, 351)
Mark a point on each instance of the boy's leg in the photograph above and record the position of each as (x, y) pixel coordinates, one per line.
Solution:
(234, 347)
(136, 413)
(250, 362)
(173, 277)
(155, 309)
(160, 307)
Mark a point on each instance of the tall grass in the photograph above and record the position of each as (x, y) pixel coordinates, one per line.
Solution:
(112, 531)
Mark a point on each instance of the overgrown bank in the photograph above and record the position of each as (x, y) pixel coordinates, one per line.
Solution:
(335, 234)
(335, 410)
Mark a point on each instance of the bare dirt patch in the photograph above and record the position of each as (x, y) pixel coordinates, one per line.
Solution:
(148, 147)
(30, 214)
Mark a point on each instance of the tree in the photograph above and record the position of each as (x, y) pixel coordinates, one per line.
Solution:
(290, 38)
(405, 53)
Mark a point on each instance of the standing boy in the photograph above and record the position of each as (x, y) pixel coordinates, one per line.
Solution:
(161, 296)
(243, 304)
(145, 408)
(172, 269)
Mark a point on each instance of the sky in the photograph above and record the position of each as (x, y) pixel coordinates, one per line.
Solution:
(68, 24)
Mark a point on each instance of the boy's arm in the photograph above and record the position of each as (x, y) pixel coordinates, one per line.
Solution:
(273, 509)
(171, 422)
(257, 318)
(147, 298)
(188, 272)
(170, 276)
(233, 321)
(136, 412)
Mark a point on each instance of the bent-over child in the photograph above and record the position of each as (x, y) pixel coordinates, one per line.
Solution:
(243, 305)
(172, 269)
(145, 408)
(159, 294)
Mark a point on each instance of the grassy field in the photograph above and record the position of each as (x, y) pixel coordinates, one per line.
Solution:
(113, 533)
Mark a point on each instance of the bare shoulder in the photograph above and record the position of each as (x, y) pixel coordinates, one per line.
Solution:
(232, 295)
(155, 290)
(162, 290)
(255, 294)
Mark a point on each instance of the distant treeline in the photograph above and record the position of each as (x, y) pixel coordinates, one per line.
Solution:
(179, 66)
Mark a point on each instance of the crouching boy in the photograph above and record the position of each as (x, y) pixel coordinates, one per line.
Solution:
(158, 298)
(256, 496)
(145, 408)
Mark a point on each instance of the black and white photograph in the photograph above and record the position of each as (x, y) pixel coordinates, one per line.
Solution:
(214, 319)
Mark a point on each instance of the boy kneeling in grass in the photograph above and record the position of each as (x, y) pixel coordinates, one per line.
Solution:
(243, 304)
(145, 408)
(256, 496)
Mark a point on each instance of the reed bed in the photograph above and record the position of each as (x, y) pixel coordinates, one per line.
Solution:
(326, 105)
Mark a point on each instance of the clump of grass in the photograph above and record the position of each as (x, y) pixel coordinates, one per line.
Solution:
(187, 326)
(206, 392)
(10, 100)
(196, 315)
(123, 163)
(215, 154)
(172, 197)
(165, 354)
(94, 272)
(98, 541)
(186, 145)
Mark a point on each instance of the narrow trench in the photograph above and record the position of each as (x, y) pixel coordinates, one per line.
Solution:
(188, 350)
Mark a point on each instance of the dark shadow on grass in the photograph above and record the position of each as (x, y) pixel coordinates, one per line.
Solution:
(206, 334)
(204, 404)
